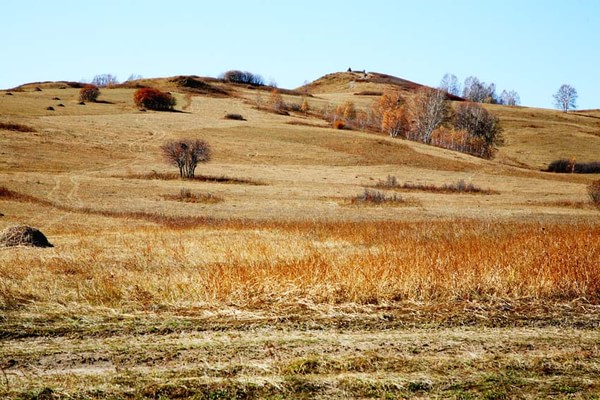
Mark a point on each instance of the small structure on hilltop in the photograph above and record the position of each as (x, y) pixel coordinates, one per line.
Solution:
(23, 235)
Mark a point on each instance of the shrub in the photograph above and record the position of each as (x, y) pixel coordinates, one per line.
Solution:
(594, 192)
(390, 183)
(337, 124)
(187, 196)
(154, 99)
(89, 93)
(376, 197)
(570, 166)
(244, 77)
(237, 117)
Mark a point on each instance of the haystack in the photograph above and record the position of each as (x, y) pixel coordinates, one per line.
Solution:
(23, 235)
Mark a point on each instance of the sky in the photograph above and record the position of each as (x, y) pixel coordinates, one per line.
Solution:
(531, 46)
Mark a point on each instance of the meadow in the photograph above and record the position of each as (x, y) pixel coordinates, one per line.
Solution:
(266, 278)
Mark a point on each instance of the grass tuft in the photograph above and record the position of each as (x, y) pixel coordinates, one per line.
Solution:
(187, 196)
(460, 186)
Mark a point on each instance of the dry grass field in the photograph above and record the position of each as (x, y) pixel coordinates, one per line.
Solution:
(267, 277)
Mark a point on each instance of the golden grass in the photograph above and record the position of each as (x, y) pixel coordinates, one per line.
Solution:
(332, 263)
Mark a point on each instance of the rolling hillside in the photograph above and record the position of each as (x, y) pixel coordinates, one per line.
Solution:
(303, 262)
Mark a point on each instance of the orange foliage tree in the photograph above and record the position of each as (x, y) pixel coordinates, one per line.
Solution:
(394, 121)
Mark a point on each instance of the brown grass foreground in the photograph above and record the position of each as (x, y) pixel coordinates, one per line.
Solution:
(327, 263)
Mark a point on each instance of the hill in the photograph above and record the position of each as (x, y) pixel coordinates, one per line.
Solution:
(303, 262)
(362, 83)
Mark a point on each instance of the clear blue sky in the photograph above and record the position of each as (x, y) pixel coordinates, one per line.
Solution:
(531, 46)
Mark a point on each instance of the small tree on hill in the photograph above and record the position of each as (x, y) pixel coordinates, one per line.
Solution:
(89, 93)
(154, 99)
(394, 121)
(275, 101)
(566, 97)
(305, 107)
(186, 154)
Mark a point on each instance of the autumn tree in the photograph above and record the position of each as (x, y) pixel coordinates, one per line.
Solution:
(427, 110)
(394, 121)
(565, 98)
(154, 99)
(89, 93)
(275, 101)
(349, 111)
(305, 107)
(186, 154)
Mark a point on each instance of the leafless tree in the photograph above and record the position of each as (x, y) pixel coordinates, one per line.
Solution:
(134, 77)
(428, 109)
(479, 92)
(510, 98)
(450, 84)
(476, 120)
(186, 154)
(105, 80)
(566, 97)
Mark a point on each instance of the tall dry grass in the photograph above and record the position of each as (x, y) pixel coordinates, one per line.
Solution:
(279, 263)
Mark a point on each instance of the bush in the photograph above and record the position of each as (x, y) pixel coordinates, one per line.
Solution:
(337, 124)
(154, 99)
(376, 197)
(570, 166)
(237, 117)
(244, 77)
(594, 192)
(89, 93)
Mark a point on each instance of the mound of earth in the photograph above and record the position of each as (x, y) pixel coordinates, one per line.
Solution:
(23, 235)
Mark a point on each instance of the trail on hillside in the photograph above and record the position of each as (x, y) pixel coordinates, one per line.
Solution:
(73, 180)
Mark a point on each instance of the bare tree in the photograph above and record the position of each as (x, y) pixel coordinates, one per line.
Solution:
(134, 77)
(428, 109)
(186, 154)
(450, 84)
(510, 98)
(479, 92)
(565, 98)
(476, 120)
(105, 80)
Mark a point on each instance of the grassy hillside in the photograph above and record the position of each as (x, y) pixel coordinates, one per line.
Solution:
(269, 276)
